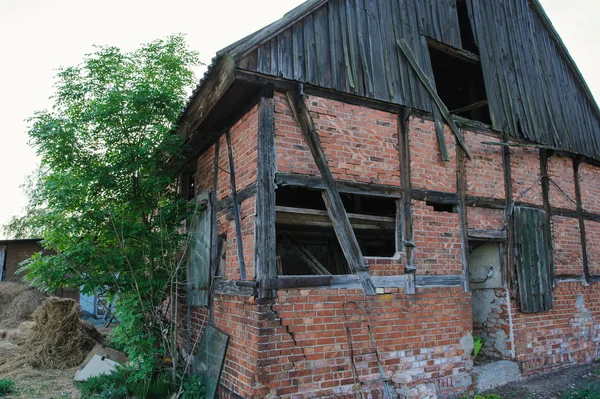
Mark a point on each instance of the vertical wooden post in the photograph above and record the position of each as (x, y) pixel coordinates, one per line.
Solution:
(461, 184)
(508, 214)
(580, 215)
(236, 209)
(265, 251)
(214, 232)
(544, 155)
(408, 243)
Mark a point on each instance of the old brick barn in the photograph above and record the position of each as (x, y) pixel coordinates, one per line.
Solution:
(384, 180)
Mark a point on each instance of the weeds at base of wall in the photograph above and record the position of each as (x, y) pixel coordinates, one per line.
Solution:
(6, 387)
(116, 386)
(592, 391)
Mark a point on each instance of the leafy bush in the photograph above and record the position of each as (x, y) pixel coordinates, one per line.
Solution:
(6, 387)
(487, 396)
(193, 388)
(105, 386)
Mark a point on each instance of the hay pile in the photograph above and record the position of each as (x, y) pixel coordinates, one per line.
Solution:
(58, 338)
(17, 303)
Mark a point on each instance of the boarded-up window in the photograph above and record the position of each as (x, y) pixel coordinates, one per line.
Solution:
(198, 270)
(533, 260)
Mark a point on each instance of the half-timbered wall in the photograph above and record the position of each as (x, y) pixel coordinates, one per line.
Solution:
(297, 346)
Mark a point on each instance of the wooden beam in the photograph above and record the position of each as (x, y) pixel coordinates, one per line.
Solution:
(265, 253)
(289, 282)
(580, 215)
(405, 215)
(308, 258)
(437, 197)
(214, 233)
(461, 184)
(242, 195)
(231, 287)
(440, 281)
(435, 97)
(331, 196)
(348, 187)
(219, 80)
(470, 107)
(236, 209)
(544, 154)
(461, 54)
(508, 216)
(487, 235)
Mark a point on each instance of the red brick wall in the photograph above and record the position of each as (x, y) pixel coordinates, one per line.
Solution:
(560, 170)
(566, 335)
(437, 239)
(237, 316)
(428, 170)
(387, 266)
(568, 255)
(307, 352)
(485, 219)
(589, 182)
(592, 236)
(485, 172)
(525, 171)
(361, 144)
(248, 214)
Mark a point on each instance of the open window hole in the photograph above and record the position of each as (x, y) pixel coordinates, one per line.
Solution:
(306, 240)
(437, 207)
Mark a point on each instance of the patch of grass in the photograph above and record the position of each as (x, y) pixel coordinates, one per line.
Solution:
(591, 391)
(6, 387)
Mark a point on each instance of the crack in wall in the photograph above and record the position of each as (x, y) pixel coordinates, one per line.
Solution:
(290, 333)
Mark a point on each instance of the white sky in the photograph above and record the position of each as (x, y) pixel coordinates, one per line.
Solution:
(37, 36)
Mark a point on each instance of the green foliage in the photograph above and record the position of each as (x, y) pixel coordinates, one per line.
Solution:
(6, 387)
(193, 388)
(117, 386)
(103, 198)
(105, 386)
(591, 391)
(487, 396)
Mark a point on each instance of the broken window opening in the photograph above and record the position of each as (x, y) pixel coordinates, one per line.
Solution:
(466, 29)
(188, 186)
(438, 207)
(459, 83)
(306, 240)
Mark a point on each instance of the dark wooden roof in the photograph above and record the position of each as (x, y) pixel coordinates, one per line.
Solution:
(534, 89)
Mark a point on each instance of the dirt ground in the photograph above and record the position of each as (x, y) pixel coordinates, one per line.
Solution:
(550, 385)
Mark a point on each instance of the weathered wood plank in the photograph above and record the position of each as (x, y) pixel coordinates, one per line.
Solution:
(408, 245)
(308, 258)
(214, 235)
(264, 251)
(316, 183)
(436, 99)
(487, 235)
(331, 196)
(231, 287)
(440, 281)
(546, 198)
(508, 215)
(461, 184)
(236, 209)
(459, 53)
(242, 195)
(219, 80)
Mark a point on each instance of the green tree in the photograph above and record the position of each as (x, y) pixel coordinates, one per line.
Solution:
(104, 199)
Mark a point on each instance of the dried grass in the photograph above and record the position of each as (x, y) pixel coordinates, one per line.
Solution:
(17, 303)
(59, 339)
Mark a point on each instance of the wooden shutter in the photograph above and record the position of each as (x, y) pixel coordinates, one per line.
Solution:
(532, 251)
(198, 270)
